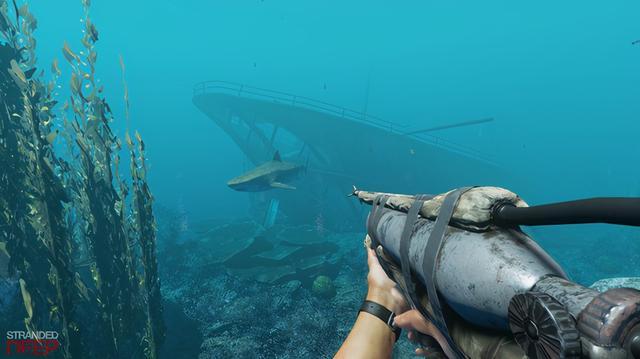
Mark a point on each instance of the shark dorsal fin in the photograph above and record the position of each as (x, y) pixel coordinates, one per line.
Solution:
(276, 156)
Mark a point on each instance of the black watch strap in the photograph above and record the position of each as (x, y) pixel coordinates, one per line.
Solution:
(382, 313)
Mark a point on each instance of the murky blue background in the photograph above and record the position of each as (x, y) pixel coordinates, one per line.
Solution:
(560, 79)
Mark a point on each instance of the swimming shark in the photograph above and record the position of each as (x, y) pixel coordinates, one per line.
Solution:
(269, 175)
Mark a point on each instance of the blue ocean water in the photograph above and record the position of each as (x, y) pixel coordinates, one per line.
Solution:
(560, 81)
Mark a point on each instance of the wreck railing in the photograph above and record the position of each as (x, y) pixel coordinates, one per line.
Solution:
(240, 90)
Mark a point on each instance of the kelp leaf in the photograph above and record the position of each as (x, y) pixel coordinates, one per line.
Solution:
(75, 83)
(18, 76)
(83, 291)
(68, 54)
(23, 10)
(26, 297)
(55, 68)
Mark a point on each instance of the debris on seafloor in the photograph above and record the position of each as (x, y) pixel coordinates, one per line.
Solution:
(275, 255)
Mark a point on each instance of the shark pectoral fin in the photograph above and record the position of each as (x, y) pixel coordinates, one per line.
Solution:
(281, 185)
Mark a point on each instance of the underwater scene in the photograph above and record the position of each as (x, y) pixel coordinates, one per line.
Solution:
(319, 179)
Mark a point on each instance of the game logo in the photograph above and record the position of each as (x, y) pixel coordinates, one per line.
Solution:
(31, 343)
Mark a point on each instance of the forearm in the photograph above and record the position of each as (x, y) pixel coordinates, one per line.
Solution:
(369, 338)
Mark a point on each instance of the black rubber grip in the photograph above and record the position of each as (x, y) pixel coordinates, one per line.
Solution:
(613, 210)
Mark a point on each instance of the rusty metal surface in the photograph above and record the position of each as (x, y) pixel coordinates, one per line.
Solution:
(573, 296)
(611, 316)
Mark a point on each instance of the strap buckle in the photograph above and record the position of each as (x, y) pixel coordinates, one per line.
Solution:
(392, 316)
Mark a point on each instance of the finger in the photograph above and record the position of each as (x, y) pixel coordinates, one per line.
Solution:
(412, 320)
(411, 336)
(421, 352)
(372, 260)
(404, 321)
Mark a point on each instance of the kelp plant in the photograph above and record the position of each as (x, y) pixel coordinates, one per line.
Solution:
(32, 196)
(66, 217)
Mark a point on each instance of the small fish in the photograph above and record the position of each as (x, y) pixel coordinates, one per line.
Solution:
(412, 152)
(635, 42)
(92, 31)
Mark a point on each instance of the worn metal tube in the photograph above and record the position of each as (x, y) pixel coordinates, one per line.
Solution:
(477, 274)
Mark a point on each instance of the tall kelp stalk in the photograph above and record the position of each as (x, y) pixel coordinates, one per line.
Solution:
(122, 310)
(61, 215)
(144, 225)
(144, 222)
(32, 195)
(127, 287)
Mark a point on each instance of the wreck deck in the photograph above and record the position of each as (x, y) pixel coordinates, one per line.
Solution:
(359, 148)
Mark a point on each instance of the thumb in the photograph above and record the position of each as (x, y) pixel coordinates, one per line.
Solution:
(372, 259)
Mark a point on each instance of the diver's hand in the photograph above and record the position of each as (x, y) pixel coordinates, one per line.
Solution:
(413, 322)
(382, 289)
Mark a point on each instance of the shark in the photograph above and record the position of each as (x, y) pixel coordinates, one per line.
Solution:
(273, 174)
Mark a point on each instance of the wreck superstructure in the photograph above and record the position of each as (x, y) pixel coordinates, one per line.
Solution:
(339, 147)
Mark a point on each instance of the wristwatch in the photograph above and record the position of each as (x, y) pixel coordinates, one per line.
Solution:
(382, 313)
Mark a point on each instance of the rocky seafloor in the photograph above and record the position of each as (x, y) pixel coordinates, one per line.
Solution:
(239, 317)
(237, 292)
